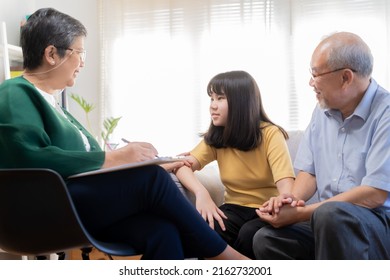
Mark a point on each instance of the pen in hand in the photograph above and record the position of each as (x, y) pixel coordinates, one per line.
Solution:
(127, 142)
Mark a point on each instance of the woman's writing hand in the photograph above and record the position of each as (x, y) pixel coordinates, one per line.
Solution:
(132, 152)
(139, 151)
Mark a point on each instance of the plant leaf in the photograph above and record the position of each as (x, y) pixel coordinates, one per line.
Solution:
(87, 107)
(109, 125)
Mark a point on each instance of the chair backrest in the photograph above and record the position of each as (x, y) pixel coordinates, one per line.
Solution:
(37, 215)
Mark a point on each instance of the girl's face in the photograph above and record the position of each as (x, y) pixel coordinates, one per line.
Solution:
(218, 109)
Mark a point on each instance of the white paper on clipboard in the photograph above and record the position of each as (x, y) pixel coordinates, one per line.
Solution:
(157, 160)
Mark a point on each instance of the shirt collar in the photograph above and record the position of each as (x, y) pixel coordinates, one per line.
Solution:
(364, 107)
(48, 97)
(51, 99)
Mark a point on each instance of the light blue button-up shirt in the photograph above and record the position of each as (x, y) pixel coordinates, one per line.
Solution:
(343, 154)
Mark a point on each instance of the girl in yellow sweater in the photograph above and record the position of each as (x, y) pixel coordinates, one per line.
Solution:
(252, 156)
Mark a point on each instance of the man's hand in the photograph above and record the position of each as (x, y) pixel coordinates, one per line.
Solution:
(287, 215)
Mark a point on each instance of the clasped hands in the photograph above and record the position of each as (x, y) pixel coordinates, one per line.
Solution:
(281, 210)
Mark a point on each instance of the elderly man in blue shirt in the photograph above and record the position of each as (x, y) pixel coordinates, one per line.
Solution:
(344, 159)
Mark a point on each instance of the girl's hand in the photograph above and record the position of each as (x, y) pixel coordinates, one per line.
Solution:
(274, 204)
(209, 210)
(173, 166)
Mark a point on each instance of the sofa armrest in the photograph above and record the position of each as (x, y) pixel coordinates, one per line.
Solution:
(209, 177)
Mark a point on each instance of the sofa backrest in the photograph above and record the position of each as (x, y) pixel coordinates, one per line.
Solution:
(295, 137)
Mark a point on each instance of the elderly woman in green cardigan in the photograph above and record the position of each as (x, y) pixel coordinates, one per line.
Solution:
(137, 206)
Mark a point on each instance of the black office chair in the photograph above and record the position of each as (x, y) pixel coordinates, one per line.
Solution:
(37, 217)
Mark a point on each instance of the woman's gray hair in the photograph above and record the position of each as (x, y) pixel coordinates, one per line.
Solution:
(47, 27)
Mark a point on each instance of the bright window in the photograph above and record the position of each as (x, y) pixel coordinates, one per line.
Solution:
(158, 56)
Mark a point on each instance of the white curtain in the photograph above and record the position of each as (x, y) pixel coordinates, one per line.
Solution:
(158, 56)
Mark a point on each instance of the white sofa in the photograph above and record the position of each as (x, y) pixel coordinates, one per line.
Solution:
(209, 175)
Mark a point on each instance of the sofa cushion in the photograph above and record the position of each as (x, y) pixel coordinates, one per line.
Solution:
(209, 177)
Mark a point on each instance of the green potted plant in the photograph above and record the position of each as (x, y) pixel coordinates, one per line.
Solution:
(109, 124)
(87, 108)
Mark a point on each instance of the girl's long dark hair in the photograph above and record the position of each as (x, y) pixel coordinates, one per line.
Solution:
(245, 112)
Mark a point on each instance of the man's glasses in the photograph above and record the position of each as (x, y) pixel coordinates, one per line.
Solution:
(82, 53)
(314, 76)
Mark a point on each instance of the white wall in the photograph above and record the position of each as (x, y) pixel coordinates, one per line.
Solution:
(88, 83)
(12, 12)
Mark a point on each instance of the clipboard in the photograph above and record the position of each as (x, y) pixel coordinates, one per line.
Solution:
(156, 160)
